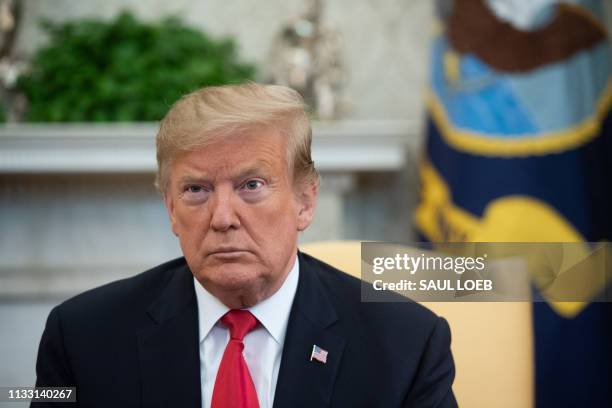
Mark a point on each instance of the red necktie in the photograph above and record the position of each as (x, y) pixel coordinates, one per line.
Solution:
(234, 386)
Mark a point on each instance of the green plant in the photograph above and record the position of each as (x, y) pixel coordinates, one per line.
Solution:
(123, 70)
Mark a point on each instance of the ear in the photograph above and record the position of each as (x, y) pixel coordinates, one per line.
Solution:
(307, 202)
(169, 201)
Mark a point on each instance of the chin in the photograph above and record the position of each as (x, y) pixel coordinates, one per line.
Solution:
(232, 277)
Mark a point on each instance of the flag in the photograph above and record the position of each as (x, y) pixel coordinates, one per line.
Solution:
(318, 354)
(519, 149)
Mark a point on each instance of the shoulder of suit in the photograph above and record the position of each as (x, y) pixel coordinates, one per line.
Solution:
(345, 293)
(136, 292)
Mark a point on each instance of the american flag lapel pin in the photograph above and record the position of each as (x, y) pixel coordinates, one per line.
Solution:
(318, 354)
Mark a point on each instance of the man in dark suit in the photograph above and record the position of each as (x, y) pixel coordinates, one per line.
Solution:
(243, 319)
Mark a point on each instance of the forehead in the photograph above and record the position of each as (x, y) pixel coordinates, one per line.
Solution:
(257, 149)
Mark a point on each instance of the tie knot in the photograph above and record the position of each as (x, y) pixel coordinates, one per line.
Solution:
(239, 322)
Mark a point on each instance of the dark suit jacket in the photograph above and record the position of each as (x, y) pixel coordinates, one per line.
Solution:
(134, 343)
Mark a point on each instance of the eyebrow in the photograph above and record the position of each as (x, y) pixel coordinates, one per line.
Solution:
(192, 178)
(258, 167)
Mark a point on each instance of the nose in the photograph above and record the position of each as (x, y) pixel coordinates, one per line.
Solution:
(223, 209)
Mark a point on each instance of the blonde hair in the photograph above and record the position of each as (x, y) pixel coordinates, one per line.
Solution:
(211, 113)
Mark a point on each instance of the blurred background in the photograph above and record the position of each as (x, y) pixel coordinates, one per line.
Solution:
(464, 120)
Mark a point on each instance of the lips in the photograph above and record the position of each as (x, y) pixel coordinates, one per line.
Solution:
(228, 251)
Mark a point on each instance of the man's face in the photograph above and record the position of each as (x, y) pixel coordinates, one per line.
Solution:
(237, 214)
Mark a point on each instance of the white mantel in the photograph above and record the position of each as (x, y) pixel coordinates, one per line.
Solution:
(343, 146)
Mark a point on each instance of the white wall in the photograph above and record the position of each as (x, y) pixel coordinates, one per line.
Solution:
(385, 41)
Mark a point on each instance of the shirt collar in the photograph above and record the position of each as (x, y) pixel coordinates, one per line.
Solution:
(272, 313)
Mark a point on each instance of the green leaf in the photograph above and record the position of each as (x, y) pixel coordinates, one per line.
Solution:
(123, 69)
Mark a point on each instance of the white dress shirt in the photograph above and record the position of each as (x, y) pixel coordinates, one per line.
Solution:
(263, 347)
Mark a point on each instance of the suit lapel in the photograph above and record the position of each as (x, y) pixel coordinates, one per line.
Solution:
(169, 349)
(302, 382)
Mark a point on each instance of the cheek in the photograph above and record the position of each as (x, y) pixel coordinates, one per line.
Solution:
(191, 222)
(282, 216)
(269, 227)
(280, 227)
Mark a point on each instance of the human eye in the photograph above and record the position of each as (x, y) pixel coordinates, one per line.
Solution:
(194, 192)
(252, 185)
(194, 189)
